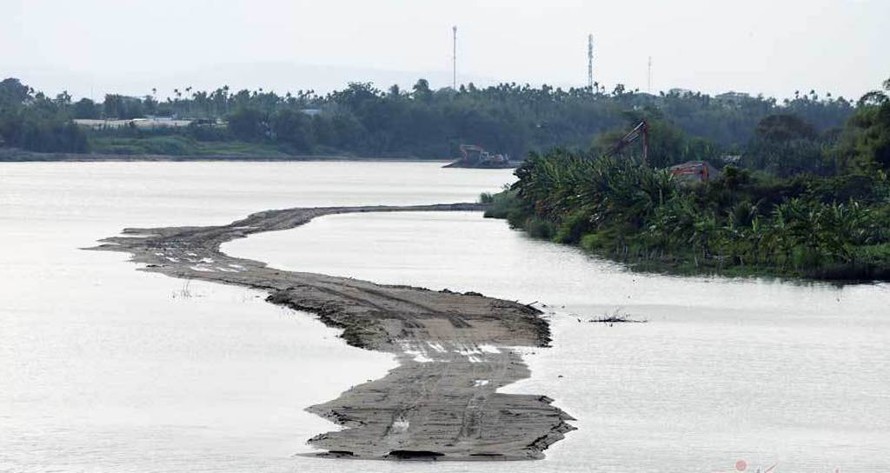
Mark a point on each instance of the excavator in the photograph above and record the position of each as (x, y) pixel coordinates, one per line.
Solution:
(641, 130)
(473, 156)
(691, 171)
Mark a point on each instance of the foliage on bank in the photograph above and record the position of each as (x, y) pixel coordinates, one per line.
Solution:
(421, 122)
(31, 120)
(751, 220)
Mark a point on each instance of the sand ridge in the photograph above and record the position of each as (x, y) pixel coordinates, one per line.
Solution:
(454, 350)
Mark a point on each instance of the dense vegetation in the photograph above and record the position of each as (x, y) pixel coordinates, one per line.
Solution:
(36, 122)
(797, 203)
(806, 190)
(362, 120)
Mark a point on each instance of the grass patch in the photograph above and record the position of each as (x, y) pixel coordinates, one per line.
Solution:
(177, 145)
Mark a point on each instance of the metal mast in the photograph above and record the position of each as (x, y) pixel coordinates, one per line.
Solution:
(649, 79)
(454, 59)
(590, 62)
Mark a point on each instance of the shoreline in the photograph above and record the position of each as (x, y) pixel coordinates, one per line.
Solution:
(20, 156)
(680, 260)
(454, 350)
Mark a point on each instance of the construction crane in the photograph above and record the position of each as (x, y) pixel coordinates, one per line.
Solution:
(642, 129)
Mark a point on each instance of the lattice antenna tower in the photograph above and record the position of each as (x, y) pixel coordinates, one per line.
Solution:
(649, 78)
(454, 59)
(590, 62)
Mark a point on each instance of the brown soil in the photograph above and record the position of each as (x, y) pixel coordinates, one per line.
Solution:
(441, 405)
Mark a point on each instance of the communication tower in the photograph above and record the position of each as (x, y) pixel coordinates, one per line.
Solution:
(590, 62)
(649, 78)
(454, 59)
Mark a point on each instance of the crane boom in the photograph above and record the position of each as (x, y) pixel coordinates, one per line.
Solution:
(642, 129)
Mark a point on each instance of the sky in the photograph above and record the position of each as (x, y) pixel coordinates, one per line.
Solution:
(770, 47)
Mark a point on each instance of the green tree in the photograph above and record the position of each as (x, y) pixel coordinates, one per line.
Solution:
(85, 108)
(865, 144)
(294, 128)
(786, 145)
(248, 124)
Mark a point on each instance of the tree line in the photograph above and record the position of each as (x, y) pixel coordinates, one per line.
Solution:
(363, 120)
(36, 122)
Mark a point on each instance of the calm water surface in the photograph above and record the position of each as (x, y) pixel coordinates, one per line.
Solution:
(106, 369)
(103, 368)
(725, 370)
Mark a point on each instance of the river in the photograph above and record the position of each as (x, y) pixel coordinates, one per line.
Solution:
(104, 368)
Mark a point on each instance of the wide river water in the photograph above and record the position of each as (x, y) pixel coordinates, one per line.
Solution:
(107, 369)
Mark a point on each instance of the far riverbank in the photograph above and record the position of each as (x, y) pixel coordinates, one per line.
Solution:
(18, 155)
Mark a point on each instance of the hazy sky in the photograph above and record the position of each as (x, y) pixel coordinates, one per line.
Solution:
(760, 46)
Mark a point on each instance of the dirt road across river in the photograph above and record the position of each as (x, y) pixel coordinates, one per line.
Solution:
(454, 350)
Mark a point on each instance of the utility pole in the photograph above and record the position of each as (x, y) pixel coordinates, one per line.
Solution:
(649, 80)
(454, 59)
(590, 62)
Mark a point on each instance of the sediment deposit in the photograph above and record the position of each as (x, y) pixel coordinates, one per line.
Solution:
(454, 350)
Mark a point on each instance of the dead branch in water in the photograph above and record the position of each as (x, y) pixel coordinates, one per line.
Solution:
(618, 316)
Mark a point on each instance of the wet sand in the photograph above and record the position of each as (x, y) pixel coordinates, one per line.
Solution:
(454, 350)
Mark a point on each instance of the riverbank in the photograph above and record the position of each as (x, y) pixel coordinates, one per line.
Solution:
(17, 155)
(741, 223)
(455, 350)
(683, 260)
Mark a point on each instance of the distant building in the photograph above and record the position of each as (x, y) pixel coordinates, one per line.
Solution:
(680, 92)
(144, 123)
(733, 98)
(695, 171)
(311, 111)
